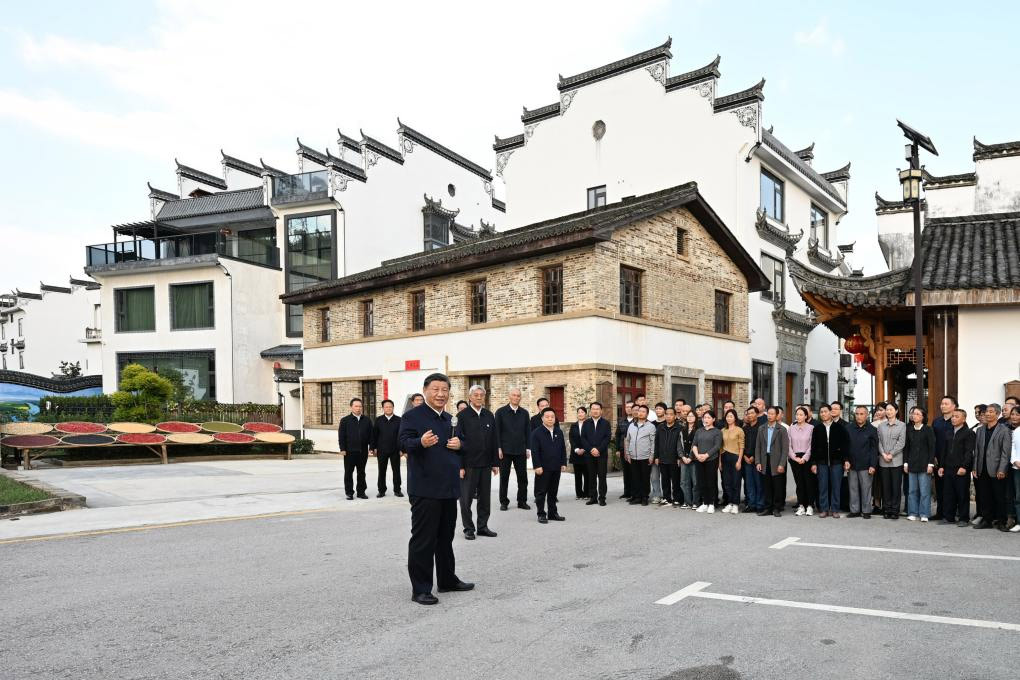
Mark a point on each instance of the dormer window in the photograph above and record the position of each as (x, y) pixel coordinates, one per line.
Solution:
(437, 231)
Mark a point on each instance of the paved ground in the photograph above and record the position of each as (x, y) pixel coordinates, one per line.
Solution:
(325, 594)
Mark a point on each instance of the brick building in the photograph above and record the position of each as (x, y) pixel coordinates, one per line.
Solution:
(646, 295)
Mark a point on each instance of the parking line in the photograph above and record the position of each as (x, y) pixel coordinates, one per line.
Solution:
(697, 589)
(794, 541)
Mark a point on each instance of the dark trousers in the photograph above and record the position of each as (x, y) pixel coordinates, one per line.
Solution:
(581, 488)
(892, 487)
(520, 465)
(355, 461)
(476, 481)
(393, 460)
(775, 490)
(641, 479)
(628, 477)
(805, 483)
(708, 481)
(753, 487)
(830, 485)
(955, 496)
(433, 521)
(547, 485)
(596, 471)
(669, 476)
(731, 477)
(905, 489)
(992, 497)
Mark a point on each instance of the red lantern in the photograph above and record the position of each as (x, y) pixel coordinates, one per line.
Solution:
(854, 344)
(860, 358)
(869, 366)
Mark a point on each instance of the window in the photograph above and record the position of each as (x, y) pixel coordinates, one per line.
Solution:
(630, 291)
(367, 318)
(596, 197)
(3, 330)
(772, 195)
(21, 360)
(761, 381)
(368, 397)
(722, 392)
(552, 290)
(819, 389)
(134, 310)
(437, 231)
(485, 382)
(681, 241)
(324, 324)
(820, 226)
(197, 369)
(325, 403)
(21, 330)
(722, 312)
(191, 306)
(310, 258)
(628, 386)
(418, 310)
(3, 358)
(479, 310)
(775, 270)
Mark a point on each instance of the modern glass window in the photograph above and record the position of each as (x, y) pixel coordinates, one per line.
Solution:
(191, 306)
(772, 195)
(196, 368)
(324, 331)
(367, 318)
(775, 270)
(761, 381)
(819, 389)
(630, 291)
(820, 226)
(418, 310)
(310, 258)
(325, 403)
(134, 309)
(552, 290)
(596, 197)
(722, 312)
(368, 397)
(437, 231)
(479, 302)
(681, 241)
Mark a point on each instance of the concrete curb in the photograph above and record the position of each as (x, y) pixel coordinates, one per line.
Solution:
(61, 498)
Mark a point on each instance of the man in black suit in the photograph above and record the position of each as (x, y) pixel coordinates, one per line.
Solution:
(536, 420)
(385, 447)
(477, 430)
(513, 429)
(549, 458)
(355, 436)
(595, 435)
(433, 485)
(621, 435)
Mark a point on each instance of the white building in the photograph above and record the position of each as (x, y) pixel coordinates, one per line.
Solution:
(196, 287)
(629, 128)
(28, 341)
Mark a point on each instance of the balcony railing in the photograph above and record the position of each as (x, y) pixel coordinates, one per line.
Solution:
(307, 186)
(93, 333)
(235, 246)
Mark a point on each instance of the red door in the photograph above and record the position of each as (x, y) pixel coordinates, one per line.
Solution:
(556, 402)
(721, 393)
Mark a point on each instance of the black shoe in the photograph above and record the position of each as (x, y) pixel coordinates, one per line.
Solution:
(936, 517)
(380, 494)
(592, 501)
(524, 506)
(469, 535)
(946, 521)
(458, 587)
(633, 501)
(602, 502)
(579, 498)
(624, 497)
(894, 517)
(764, 513)
(425, 598)
(963, 523)
(398, 493)
(776, 513)
(557, 518)
(543, 520)
(866, 515)
(363, 495)
(644, 501)
(854, 514)
(486, 532)
(747, 508)
(504, 506)
(350, 497)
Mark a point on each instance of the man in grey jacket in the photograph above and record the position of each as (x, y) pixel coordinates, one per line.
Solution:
(892, 438)
(991, 465)
(639, 449)
(771, 452)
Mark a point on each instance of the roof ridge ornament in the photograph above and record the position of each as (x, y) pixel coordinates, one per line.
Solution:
(777, 236)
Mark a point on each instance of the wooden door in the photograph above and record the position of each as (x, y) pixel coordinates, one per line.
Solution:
(721, 393)
(790, 403)
(556, 402)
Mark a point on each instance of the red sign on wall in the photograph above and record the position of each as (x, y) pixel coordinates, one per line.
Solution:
(385, 389)
(412, 365)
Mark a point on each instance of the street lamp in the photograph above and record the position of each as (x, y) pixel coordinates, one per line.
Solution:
(911, 181)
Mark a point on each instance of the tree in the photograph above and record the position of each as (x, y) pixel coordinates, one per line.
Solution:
(143, 395)
(69, 370)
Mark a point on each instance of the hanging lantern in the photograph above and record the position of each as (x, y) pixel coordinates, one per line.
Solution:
(860, 358)
(854, 344)
(869, 366)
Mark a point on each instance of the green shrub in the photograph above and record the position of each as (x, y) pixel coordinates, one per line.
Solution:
(302, 446)
(55, 409)
(143, 395)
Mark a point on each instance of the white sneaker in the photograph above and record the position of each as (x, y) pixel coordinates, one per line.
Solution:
(924, 519)
(734, 510)
(711, 509)
(810, 511)
(911, 518)
(1015, 530)
(976, 520)
(702, 508)
(800, 510)
(685, 507)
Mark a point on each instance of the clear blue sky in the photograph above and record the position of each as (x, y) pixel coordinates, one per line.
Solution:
(97, 100)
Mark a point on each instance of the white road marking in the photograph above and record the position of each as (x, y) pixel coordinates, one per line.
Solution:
(697, 589)
(794, 541)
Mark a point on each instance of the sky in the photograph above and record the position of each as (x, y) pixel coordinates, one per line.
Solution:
(98, 98)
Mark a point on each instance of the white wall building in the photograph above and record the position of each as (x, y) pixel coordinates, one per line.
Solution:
(629, 128)
(29, 339)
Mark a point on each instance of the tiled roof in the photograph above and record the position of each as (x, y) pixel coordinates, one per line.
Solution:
(514, 142)
(883, 207)
(807, 153)
(53, 289)
(381, 149)
(446, 153)
(242, 166)
(770, 140)
(222, 202)
(837, 175)
(346, 168)
(435, 207)
(88, 285)
(944, 181)
(983, 152)
(160, 194)
(498, 204)
(882, 290)
(569, 231)
(26, 295)
(615, 68)
(710, 70)
(199, 176)
(282, 352)
(270, 170)
(348, 142)
(755, 93)
(541, 113)
(311, 154)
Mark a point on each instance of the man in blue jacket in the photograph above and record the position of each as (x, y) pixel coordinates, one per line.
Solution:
(549, 458)
(433, 485)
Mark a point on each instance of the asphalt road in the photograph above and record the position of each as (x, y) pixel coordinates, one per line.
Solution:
(326, 595)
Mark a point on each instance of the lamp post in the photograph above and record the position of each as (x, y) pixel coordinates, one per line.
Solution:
(910, 179)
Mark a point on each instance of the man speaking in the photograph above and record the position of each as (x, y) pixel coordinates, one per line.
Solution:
(433, 485)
